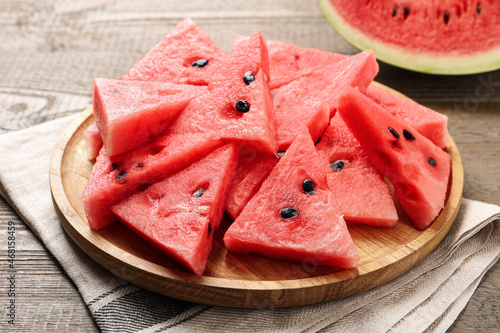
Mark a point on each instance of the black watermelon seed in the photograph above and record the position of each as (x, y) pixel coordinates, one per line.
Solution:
(114, 166)
(139, 165)
(199, 192)
(209, 228)
(288, 213)
(280, 153)
(395, 11)
(200, 63)
(478, 8)
(337, 165)
(446, 17)
(406, 12)
(308, 186)
(408, 136)
(393, 132)
(248, 77)
(432, 161)
(242, 106)
(121, 175)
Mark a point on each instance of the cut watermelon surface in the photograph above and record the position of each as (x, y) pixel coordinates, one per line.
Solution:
(293, 216)
(417, 168)
(186, 55)
(180, 214)
(129, 113)
(361, 192)
(310, 100)
(431, 124)
(114, 179)
(236, 109)
(93, 141)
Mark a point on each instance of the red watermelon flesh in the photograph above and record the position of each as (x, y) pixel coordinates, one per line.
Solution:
(180, 57)
(129, 113)
(284, 221)
(217, 113)
(289, 62)
(418, 169)
(310, 100)
(116, 178)
(93, 141)
(361, 192)
(179, 214)
(252, 170)
(431, 124)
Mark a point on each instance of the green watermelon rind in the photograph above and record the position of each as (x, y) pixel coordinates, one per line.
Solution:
(429, 63)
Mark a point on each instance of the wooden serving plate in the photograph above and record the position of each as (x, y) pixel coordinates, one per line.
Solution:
(240, 280)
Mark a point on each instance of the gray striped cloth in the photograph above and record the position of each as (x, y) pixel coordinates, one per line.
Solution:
(429, 297)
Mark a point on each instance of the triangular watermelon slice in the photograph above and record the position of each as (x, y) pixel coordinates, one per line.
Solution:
(431, 124)
(237, 109)
(116, 178)
(129, 113)
(361, 192)
(418, 169)
(180, 214)
(185, 55)
(294, 216)
(310, 100)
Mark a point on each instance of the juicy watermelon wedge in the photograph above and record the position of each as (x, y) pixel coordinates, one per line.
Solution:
(431, 124)
(129, 113)
(180, 214)
(186, 55)
(283, 221)
(218, 112)
(361, 192)
(418, 169)
(116, 178)
(310, 100)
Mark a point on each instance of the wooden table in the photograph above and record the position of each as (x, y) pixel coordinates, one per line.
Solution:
(51, 50)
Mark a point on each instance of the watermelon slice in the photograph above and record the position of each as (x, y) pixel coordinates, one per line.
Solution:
(429, 123)
(180, 214)
(252, 170)
(186, 55)
(361, 192)
(93, 141)
(418, 169)
(116, 178)
(438, 37)
(293, 216)
(129, 113)
(310, 100)
(237, 109)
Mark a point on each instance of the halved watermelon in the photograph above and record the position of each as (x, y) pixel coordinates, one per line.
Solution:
(439, 37)
(237, 109)
(293, 216)
(114, 179)
(418, 169)
(431, 124)
(310, 100)
(361, 192)
(185, 55)
(129, 113)
(180, 213)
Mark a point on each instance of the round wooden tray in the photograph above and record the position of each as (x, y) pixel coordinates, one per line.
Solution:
(240, 280)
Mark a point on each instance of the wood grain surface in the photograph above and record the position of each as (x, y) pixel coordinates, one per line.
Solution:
(52, 49)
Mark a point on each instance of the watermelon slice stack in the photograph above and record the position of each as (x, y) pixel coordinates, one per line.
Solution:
(281, 137)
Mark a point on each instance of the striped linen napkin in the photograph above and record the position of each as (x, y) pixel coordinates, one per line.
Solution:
(429, 297)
